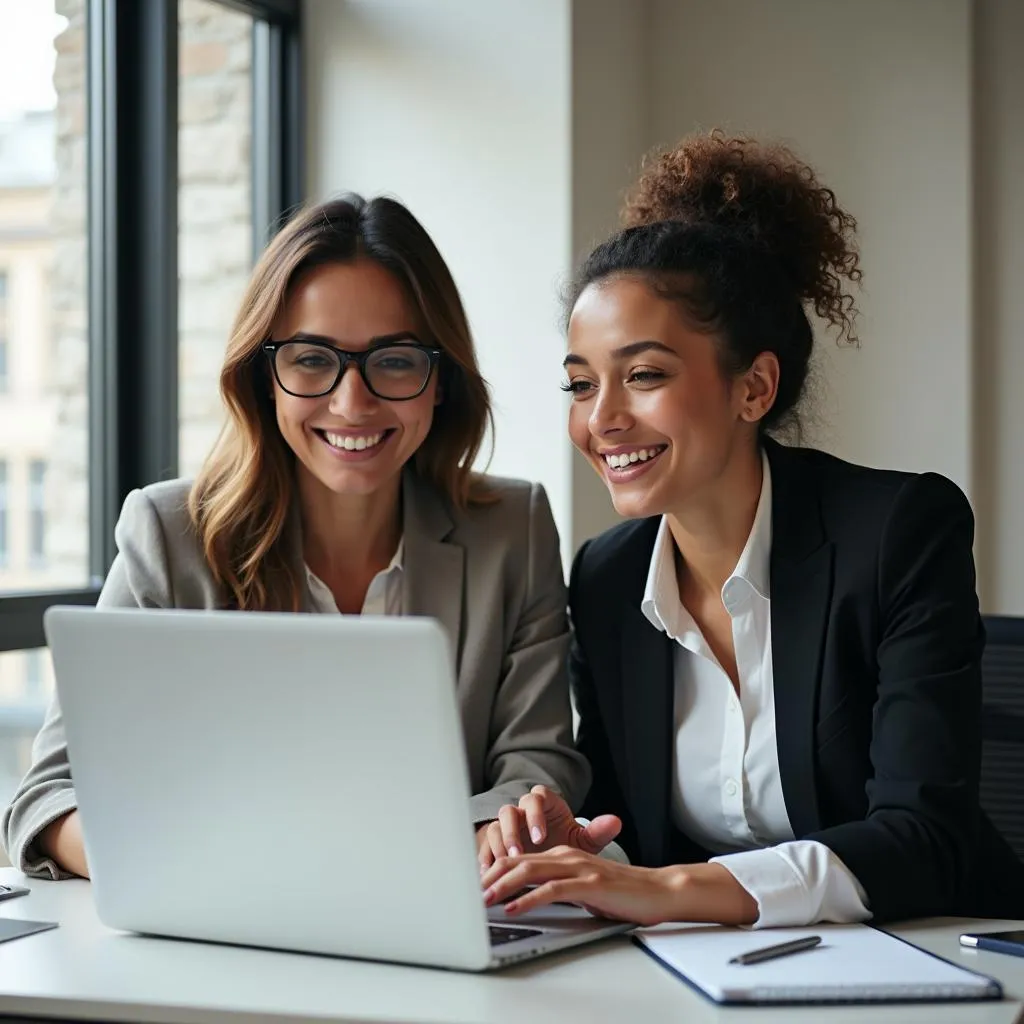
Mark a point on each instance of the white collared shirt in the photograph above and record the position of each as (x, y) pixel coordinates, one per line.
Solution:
(383, 596)
(727, 788)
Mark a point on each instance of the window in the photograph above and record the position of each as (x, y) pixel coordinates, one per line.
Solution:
(3, 514)
(89, 377)
(3, 328)
(215, 229)
(44, 401)
(37, 512)
(35, 674)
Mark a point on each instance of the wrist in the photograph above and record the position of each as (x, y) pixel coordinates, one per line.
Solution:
(707, 892)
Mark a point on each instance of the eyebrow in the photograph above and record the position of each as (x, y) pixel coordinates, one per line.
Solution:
(374, 342)
(626, 352)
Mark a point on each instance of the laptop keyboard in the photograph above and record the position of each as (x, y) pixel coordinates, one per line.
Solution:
(501, 935)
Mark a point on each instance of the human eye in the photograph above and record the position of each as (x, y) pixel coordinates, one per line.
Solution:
(646, 375)
(393, 361)
(312, 360)
(578, 387)
(306, 357)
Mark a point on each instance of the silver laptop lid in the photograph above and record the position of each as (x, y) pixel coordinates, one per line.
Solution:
(293, 781)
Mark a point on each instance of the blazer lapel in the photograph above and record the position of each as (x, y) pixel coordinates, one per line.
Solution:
(433, 566)
(647, 699)
(801, 593)
(648, 719)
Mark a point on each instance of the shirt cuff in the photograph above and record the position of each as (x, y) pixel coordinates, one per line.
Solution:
(798, 883)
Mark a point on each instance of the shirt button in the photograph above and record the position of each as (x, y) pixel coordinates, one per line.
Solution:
(730, 787)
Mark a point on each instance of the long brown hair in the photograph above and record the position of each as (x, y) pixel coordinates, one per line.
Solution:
(241, 498)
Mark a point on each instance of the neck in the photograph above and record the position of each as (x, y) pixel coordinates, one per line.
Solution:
(343, 533)
(711, 531)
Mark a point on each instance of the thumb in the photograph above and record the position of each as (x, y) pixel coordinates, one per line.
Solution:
(593, 838)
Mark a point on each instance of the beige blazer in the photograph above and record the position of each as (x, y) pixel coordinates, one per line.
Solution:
(492, 576)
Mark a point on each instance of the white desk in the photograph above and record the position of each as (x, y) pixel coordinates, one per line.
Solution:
(84, 971)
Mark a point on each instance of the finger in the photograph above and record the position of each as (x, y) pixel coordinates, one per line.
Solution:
(485, 853)
(511, 819)
(497, 842)
(599, 833)
(532, 806)
(507, 875)
(562, 890)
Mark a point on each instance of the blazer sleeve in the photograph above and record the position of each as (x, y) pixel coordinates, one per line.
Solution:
(531, 720)
(138, 578)
(914, 852)
(605, 795)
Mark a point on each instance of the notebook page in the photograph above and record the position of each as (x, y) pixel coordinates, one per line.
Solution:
(854, 963)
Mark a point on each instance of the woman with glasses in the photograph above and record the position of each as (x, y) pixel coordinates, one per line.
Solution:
(343, 483)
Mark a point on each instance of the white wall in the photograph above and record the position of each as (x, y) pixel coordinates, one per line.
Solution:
(610, 132)
(999, 301)
(512, 130)
(876, 95)
(462, 110)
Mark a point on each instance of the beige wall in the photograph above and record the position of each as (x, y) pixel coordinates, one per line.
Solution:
(876, 95)
(909, 110)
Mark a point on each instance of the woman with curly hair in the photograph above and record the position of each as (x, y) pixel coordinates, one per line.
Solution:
(777, 661)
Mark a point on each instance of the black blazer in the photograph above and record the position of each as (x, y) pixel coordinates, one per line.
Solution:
(876, 648)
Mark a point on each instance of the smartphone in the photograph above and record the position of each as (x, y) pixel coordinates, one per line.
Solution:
(999, 942)
(9, 892)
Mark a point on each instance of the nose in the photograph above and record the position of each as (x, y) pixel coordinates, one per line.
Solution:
(351, 399)
(609, 413)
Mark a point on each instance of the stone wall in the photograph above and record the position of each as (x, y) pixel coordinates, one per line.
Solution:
(214, 209)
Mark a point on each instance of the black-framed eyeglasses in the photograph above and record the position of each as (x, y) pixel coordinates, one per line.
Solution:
(396, 371)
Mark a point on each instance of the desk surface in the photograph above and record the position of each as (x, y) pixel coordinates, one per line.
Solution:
(85, 971)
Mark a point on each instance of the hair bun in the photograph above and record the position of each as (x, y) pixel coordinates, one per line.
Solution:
(761, 195)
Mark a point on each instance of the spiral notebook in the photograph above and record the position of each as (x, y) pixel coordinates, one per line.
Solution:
(853, 964)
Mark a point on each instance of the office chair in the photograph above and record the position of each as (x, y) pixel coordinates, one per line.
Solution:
(1002, 727)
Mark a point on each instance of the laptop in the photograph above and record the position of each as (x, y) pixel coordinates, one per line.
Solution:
(283, 780)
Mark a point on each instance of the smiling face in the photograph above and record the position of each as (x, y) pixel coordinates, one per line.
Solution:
(652, 410)
(350, 441)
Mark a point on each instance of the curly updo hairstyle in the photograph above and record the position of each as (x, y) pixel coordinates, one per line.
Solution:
(745, 238)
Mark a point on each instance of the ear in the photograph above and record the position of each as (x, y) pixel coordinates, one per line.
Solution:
(439, 394)
(759, 387)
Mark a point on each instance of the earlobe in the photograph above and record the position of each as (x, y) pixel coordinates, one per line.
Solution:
(438, 395)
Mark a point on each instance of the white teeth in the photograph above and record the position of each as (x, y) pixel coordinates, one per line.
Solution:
(628, 458)
(352, 444)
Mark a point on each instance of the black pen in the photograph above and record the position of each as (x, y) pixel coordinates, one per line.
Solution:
(755, 956)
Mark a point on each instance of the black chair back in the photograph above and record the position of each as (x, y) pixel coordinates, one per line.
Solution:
(1002, 727)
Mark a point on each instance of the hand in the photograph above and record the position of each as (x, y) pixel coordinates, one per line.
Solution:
(685, 892)
(542, 821)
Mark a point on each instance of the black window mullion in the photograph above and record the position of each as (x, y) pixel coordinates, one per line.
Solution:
(132, 196)
(277, 127)
(133, 266)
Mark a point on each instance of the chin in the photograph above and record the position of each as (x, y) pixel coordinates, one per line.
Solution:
(634, 506)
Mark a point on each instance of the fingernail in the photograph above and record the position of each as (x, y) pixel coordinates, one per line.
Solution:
(489, 897)
(510, 908)
(483, 869)
(513, 851)
(535, 834)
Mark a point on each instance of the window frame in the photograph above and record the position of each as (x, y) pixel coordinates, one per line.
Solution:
(132, 198)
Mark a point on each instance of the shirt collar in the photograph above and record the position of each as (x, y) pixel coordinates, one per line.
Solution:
(661, 605)
(394, 566)
(755, 559)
